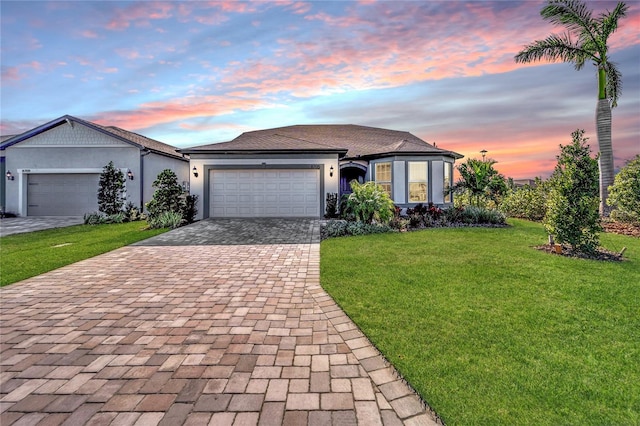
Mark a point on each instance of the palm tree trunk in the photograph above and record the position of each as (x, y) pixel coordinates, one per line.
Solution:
(603, 126)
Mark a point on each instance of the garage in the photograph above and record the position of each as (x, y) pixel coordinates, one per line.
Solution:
(264, 193)
(62, 194)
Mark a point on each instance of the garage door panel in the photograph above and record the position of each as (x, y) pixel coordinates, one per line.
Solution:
(62, 194)
(265, 193)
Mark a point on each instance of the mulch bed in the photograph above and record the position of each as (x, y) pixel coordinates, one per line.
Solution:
(602, 254)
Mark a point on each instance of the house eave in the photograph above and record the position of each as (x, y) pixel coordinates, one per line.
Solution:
(340, 152)
(377, 155)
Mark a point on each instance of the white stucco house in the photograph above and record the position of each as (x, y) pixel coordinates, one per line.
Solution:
(54, 169)
(288, 171)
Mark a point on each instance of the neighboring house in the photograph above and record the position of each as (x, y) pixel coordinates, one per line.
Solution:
(289, 171)
(54, 169)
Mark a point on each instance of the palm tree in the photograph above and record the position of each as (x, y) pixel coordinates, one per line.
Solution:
(585, 39)
(480, 181)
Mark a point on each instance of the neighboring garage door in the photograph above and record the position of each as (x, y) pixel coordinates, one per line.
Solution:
(62, 194)
(265, 193)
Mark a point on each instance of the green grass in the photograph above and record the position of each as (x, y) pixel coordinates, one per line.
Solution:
(26, 255)
(491, 331)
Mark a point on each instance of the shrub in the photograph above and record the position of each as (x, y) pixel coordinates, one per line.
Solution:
(167, 219)
(167, 196)
(572, 208)
(93, 218)
(370, 203)
(133, 213)
(342, 228)
(331, 209)
(189, 208)
(528, 202)
(480, 215)
(624, 194)
(111, 190)
(453, 214)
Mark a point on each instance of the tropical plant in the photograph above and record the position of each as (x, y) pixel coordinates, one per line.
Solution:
(370, 203)
(111, 190)
(572, 208)
(624, 194)
(480, 182)
(585, 40)
(166, 219)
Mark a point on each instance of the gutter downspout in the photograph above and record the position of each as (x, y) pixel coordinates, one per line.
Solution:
(143, 153)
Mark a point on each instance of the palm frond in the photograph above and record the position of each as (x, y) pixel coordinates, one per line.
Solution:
(614, 83)
(609, 21)
(573, 14)
(555, 48)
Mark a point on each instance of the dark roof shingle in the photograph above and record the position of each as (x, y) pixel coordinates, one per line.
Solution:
(357, 141)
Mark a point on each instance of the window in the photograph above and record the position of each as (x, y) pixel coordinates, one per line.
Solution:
(383, 176)
(448, 178)
(417, 182)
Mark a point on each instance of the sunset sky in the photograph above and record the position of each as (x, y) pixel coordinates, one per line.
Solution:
(196, 72)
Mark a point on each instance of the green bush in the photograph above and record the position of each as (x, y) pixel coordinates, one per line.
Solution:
(93, 218)
(572, 207)
(111, 193)
(528, 202)
(343, 228)
(370, 203)
(624, 194)
(169, 197)
(189, 209)
(171, 220)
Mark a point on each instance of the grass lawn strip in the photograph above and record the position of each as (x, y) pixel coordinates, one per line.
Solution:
(26, 255)
(491, 331)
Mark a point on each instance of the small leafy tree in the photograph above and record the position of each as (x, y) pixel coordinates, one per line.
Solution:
(370, 203)
(480, 182)
(111, 192)
(572, 208)
(624, 194)
(167, 196)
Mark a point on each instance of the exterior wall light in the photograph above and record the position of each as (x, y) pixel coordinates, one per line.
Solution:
(9, 175)
(195, 171)
(130, 174)
(331, 171)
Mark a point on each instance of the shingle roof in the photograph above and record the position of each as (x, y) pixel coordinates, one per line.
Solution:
(355, 141)
(124, 135)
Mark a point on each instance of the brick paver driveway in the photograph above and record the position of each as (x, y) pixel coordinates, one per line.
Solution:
(221, 322)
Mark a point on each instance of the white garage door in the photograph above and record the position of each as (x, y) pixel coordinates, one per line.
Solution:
(62, 194)
(264, 193)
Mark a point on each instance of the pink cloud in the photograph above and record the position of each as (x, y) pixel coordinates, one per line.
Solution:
(89, 34)
(161, 112)
(11, 74)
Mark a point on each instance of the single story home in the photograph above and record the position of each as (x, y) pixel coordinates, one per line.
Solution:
(54, 169)
(289, 171)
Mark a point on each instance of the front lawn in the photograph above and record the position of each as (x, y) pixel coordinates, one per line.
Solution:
(26, 255)
(491, 331)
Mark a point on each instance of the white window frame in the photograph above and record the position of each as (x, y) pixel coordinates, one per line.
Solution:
(385, 182)
(423, 181)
